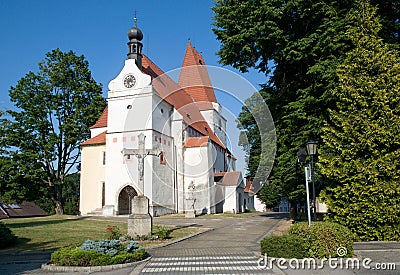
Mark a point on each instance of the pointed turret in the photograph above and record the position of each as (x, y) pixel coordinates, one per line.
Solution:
(194, 77)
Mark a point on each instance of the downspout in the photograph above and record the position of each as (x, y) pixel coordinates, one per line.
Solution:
(175, 177)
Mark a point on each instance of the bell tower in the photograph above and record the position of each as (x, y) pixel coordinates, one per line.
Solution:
(135, 35)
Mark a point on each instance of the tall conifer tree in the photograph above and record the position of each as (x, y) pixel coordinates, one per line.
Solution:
(362, 136)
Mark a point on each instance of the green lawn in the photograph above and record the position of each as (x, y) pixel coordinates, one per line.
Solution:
(52, 232)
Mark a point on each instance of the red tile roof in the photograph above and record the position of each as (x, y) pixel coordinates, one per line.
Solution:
(181, 100)
(102, 121)
(197, 141)
(97, 140)
(150, 68)
(194, 76)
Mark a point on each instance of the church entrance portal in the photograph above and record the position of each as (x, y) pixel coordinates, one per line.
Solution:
(125, 200)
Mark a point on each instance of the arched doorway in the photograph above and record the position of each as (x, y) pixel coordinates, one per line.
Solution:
(125, 200)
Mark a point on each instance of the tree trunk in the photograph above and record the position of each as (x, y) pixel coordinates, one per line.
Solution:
(59, 208)
(56, 197)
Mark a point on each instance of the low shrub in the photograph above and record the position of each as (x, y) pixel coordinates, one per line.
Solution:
(285, 246)
(323, 239)
(158, 233)
(161, 232)
(92, 253)
(103, 246)
(113, 232)
(7, 238)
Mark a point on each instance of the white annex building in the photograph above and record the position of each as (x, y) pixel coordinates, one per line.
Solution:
(186, 163)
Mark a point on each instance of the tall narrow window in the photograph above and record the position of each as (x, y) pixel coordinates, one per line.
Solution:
(163, 159)
(104, 158)
(103, 194)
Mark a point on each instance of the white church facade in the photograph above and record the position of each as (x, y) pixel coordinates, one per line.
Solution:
(185, 163)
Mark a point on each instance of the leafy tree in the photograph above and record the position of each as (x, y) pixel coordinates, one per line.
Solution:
(362, 137)
(270, 194)
(299, 45)
(71, 194)
(53, 111)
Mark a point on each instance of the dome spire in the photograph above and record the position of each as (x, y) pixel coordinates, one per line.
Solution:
(135, 35)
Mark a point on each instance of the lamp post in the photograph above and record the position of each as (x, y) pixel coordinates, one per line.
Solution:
(301, 157)
(309, 174)
(312, 152)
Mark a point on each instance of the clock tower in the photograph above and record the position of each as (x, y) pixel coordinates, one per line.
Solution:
(134, 109)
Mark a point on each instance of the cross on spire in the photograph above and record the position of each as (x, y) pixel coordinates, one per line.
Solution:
(134, 20)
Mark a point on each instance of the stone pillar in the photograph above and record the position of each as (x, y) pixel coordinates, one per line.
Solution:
(190, 214)
(140, 221)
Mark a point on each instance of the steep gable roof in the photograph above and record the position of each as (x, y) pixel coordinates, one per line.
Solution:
(97, 140)
(102, 121)
(184, 104)
(194, 77)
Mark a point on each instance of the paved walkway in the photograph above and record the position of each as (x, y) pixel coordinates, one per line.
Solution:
(231, 248)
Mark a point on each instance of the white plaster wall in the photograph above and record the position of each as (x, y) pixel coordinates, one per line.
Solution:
(130, 109)
(218, 159)
(177, 129)
(216, 121)
(130, 113)
(209, 117)
(97, 131)
(163, 192)
(92, 178)
(121, 171)
(230, 203)
(198, 169)
(116, 86)
(259, 205)
(162, 113)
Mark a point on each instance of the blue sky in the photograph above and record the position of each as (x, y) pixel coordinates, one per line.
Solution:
(98, 30)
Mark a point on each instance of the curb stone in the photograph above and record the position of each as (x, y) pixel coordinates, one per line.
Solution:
(56, 268)
(272, 230)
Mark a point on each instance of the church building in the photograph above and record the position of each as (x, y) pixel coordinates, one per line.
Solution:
(159, 137)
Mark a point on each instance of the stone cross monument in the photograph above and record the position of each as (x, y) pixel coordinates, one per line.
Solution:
(190, 213)
(140, 221)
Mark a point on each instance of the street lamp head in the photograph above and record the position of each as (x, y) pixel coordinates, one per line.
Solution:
(312, 148)
(301, 156)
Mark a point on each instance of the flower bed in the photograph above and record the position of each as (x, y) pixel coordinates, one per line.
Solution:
(99, 253)
(115, 250)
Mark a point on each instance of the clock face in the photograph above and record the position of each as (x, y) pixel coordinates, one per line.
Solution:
(129, 81)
